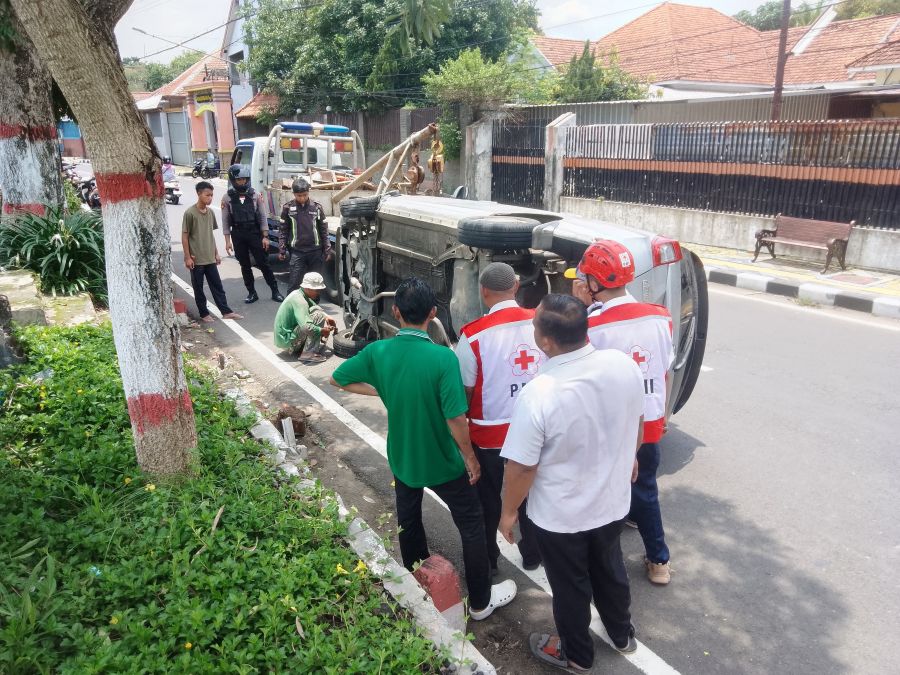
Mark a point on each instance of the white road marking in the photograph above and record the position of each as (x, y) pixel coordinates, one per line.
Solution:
(643, 659)
(874, 322)
(706, 369)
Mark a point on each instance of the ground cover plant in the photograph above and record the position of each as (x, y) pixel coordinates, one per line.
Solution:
(103, 569)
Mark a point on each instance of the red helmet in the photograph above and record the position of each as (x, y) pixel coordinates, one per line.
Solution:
(609, 262)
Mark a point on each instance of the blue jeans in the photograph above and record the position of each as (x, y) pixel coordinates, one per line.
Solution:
(645, 504)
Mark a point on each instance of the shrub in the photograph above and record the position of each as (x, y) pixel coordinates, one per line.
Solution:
(103, 569)
(66, 250)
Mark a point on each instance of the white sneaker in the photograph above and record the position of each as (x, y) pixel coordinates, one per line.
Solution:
(501, 594)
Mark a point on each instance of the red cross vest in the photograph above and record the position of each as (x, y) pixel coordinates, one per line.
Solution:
(644, 332)
(508, 359)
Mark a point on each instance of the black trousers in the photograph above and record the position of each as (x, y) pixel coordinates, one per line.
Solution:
(249, 243)
(490, 492)
(582, 566)
(465, 509)
(303, 262)
(211, 274)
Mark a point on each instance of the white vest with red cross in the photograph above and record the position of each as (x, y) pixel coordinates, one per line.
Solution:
(644, 332)
(508, 359)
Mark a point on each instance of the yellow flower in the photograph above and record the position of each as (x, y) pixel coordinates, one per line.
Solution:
(149, 487)
(188, 645)
(127, 479)
(360, 567)
(393, 483)
(113, 621)
(79, 391)
(340, 569)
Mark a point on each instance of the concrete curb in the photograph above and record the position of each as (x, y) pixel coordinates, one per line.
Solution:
(811, 292)
(399, 582)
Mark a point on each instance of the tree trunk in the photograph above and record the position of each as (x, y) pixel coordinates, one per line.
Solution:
(29, 161)
(82, 57)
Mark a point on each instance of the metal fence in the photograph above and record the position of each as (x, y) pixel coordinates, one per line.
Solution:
(830, 170)
(517, 162)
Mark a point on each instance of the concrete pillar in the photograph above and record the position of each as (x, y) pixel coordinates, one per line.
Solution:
(477, 156)
(554, 150)
(404, 124)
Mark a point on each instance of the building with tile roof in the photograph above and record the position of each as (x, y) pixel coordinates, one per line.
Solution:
(247, 115)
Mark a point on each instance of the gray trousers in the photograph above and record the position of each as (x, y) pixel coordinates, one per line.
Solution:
(303, 339)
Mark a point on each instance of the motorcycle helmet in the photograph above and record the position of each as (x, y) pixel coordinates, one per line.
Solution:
(299, 186)
(167, 160)
(608, 261)
(236, 171)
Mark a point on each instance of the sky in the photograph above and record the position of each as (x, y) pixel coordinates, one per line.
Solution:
(178, 20)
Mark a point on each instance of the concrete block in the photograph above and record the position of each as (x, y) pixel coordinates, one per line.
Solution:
(20, 287)
(69, 310)
(857, 302)
(439, 578)
(753, 281)
(889, 307)
(823, 295)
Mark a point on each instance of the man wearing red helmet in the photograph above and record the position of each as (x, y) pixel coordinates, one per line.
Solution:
(643, 331)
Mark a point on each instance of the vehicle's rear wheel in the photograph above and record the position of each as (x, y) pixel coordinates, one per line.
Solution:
(497, 232)
(347, 345)
(360, 207)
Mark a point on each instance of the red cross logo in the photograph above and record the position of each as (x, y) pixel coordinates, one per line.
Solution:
(641, 357)
(524, 360)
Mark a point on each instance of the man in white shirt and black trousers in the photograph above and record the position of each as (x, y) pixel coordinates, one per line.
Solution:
(571, 448)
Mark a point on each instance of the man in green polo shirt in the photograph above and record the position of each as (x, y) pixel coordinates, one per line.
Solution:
(420, 385)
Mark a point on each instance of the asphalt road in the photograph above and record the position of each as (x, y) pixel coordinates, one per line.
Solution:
(778, 486)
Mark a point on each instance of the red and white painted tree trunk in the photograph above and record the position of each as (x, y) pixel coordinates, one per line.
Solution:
(81, 55)
(29, 161)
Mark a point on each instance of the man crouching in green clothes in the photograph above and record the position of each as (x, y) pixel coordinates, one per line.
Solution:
(421, 387)
(301, 326)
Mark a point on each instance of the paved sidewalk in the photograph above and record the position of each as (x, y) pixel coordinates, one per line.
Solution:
(853, 288)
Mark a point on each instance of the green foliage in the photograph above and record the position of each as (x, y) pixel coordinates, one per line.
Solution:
(768, 15)
(72, 200)
(420, 22)
(592, 78)
(65, 249)
(451, 135)
(485, 84)
(151, 76)
(104, 570)
(337, 53)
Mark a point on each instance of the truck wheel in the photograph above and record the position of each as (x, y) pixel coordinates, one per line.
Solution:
(497, 232)
(360, 207)
(346, 346)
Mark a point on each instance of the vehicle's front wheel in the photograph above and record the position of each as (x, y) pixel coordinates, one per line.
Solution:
(346, 345)
(497, 232)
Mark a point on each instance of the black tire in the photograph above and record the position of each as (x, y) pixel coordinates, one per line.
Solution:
(195, 173)
(347, 346)
(360, 207)
(497, 232)
(174, 199)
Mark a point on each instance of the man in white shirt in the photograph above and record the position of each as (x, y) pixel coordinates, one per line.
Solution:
(497, 358)
(644, 332)
(571, 448)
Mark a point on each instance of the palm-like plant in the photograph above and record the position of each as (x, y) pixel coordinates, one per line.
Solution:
(65, 250)
(422, 21)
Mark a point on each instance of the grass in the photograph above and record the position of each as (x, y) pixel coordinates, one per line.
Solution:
(104, 569)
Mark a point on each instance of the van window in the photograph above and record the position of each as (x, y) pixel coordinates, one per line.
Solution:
(296, 156)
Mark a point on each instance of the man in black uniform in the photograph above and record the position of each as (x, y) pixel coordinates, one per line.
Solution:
(305, 231)
(244, 225)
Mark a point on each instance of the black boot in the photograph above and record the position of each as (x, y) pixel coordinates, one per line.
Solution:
(276, 295)
(251, 298)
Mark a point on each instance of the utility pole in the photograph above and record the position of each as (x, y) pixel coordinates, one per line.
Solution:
(782, 58)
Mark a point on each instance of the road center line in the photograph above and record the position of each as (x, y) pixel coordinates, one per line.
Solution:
(643, 659)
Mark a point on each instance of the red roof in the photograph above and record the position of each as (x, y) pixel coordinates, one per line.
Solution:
(557, 51)
(684, 42)
(840, 43)
(256, 105)
(139, 95)
(888, 55)
(196, 74)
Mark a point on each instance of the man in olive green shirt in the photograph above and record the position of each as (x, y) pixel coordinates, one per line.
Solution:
(200, 254)
(421, 387)
(300, 324)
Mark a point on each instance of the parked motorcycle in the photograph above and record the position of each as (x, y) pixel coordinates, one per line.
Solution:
(203, 170)
(89, 194)
(173, 192)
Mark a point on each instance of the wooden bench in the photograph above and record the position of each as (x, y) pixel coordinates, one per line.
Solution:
(819, 234)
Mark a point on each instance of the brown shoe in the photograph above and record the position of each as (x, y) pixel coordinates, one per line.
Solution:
(658, 573)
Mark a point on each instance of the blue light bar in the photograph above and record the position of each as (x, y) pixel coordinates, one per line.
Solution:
(307, 128)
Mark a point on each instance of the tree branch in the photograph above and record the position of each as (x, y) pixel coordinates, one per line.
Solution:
(106, 12)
